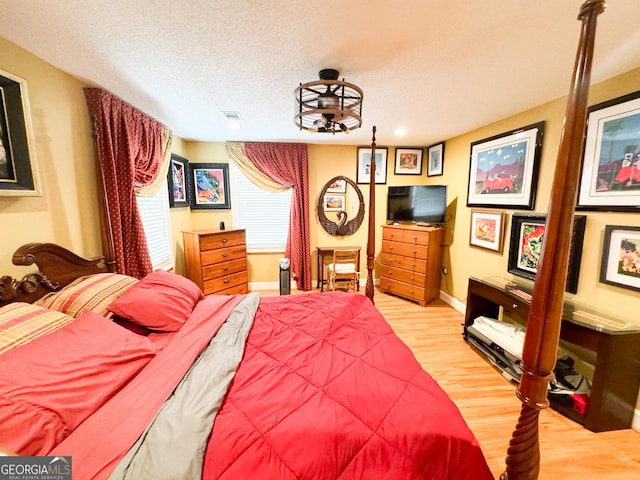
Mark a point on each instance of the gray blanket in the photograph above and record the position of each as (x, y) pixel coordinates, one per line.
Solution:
(173, 445)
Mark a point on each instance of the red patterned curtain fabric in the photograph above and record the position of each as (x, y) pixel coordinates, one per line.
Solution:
(130, 151)
(288, 165)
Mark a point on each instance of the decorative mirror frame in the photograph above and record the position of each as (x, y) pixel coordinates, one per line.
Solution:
(344, 227)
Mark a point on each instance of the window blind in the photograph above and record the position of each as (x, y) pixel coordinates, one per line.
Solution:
(154, 211)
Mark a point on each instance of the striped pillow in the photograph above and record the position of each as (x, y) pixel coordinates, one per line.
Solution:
(94, 292)
(22, 322)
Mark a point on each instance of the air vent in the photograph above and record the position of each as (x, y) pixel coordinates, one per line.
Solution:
(232, 115)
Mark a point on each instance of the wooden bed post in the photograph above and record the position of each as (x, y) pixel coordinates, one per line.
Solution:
(371, 238)
(545, 316)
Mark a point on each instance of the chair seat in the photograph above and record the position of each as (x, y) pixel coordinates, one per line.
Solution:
(341, 268)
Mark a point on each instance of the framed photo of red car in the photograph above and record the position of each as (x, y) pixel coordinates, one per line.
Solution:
(503, 170)
(610, 178)
(487, 229)
(620, 264)
(525, 247)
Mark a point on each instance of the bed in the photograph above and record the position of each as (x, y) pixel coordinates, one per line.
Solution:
(127, 377)
(154, 381)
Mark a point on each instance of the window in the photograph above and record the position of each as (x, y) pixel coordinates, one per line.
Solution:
(155, 219)
(264, 215)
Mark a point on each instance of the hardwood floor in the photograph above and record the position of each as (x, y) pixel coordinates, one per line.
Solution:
(488, 402)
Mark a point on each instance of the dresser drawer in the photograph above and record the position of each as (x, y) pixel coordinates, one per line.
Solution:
(399, 261)
(405, 249)
(238, 289)
(223, 255)
(412, 236)
(403, 289)
(406, 276)
(224, 268)
(220, 240)
(224, 283)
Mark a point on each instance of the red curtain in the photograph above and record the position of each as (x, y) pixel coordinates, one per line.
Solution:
(129, 145)
(288, 165)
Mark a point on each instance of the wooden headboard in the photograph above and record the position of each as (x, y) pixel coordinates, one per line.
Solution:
(57, 267)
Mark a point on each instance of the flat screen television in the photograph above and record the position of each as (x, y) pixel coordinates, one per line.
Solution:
(420, 204)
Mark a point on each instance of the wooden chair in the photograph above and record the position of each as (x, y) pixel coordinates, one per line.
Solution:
(345, 269)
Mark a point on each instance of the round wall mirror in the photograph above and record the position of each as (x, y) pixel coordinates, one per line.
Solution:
(340, 206)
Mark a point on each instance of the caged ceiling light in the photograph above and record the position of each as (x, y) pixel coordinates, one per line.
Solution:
(328, 105)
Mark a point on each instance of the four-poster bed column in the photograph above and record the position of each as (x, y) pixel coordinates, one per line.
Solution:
(371, 237)
(545, 314)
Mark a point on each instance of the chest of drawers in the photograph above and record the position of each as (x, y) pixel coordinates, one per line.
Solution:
(411, 260)
(216, 260)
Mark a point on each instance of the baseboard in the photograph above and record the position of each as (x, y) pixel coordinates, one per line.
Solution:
(454, 302)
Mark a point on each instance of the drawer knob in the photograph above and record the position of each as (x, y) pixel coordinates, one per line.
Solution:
(225, 254)
(514, 306)
(225, 268)
(227, 280)
(224, 240)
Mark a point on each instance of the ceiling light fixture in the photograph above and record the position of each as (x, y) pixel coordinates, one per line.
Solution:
(328, 105)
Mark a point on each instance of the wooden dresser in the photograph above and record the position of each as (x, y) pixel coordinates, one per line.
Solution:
(216, 260)
(411, 262)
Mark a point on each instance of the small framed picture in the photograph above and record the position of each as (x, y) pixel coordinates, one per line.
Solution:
(337, 185)
(620, 265)
(525, 247)
(487, 230)
(408, 161)
(177, 176)
(611, 164)
(503, 172)
(333, 203)
(210, 185)
(435, 160)
(364, 165)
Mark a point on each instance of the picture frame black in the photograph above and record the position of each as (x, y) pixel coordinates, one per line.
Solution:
(209, 186)
(435, 160)
(620, 261)
(503, 169)
(364, 161)
(177, 182)
(610, 176)
(408, 161)
(525, 246)
(18, 169)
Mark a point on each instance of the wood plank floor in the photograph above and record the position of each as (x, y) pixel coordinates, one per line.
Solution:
(488, 403)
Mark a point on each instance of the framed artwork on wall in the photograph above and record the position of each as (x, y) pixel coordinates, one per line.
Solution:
(487, 229)
(408, 161)
(209, 185)
(525, 247)
(338, 185)
(177, 176)
(620, 264)
(364, 165)
(333, 203)
(610, 178)
(18, 171)
(503, 171)
(435, 160)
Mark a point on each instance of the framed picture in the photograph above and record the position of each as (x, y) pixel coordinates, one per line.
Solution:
(333, 203)
(620, 265)
(504, 169)
(487, 230)
(18, 172)
(610, 178)
(364, 165)
(338, 185)
(177, 176)
(525, 247)
(435, 160)
(408, 161)
(210, 185)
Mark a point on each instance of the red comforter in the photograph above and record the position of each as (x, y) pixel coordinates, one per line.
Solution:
(325, 390)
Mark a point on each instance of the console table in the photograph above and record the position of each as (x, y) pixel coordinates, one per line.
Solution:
(613, 346)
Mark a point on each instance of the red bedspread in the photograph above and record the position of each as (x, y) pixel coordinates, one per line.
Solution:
(326, 390)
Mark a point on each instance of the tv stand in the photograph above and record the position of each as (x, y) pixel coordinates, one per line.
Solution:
(612, 345)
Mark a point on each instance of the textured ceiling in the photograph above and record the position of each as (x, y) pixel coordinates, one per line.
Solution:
(435, 68)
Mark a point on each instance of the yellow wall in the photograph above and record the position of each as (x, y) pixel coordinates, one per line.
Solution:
(67, 211)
